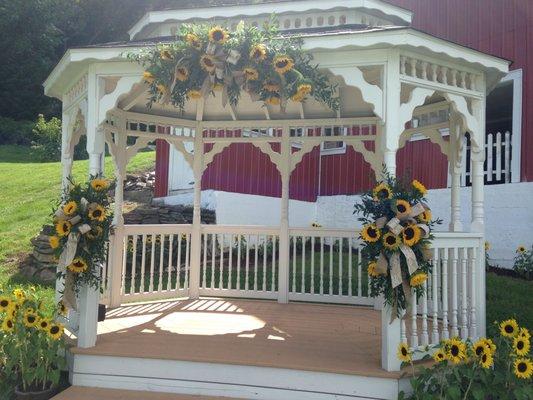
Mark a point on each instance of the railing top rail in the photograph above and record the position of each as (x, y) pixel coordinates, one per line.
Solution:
(458, 235)
(139, 229)
(240, 229)
(324, 232)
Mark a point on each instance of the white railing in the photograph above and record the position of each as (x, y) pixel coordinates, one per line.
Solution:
(453, 299)
(239, 261)
(497, 159)
(324, 266)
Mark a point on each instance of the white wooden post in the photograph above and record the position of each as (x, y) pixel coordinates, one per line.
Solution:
(455, 173)
(390, 331)
(284, 239)
(196, 236)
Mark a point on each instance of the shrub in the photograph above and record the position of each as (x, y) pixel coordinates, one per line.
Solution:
(488, 369)
(16, 132)
(47, 139)
(523, 262)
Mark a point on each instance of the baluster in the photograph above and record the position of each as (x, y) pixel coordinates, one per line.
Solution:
(463, 79)
(350, 266)
(313, 264)
(414, 327)
(230, 266)
(464, 306)
(294, 240)
(424, 65)
(403, 330)
(322, 265)
(507, 165)
(274, 239)
(178, 263)
(105, 272)
(247, 265)
(424, 337)
(402, 65)
(490, 148)
(256, 255)
(473, 298)
(221, 262)
(264, 261)
(435, 292)
(359, 272)
(152, 265)
(330, 266)
(444, 285)
(455, 331)
(170, 251)
(498, 156)
(143, 265)
(161, 261)
(302, 287)
(433, 72)
(187, 261)
(341, 240)
(412, 63)
(133, 264)
(453, 72)
(444, 73)
(213, 255)
(239, 261)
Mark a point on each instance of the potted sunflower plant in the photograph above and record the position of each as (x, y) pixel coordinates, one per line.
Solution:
(31, 344)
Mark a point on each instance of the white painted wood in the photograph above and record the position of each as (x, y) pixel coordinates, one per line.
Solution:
(490, 151)
(196, 238)
(284, 239)
(516, 139)
(464, 293)
(498, 146)
(507, 157)
(435, 296)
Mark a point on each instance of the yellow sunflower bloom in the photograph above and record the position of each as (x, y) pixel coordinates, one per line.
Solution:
(78, 265)
(19, 295)
(418, 279)
(273, 100)
(298, 98)
(439, 356)
(479, 347)
(524, 333)
(218, 35)
(411, 235)
(490, 345)
(271, 86)
(165, 55)
(403, 208)
(391, 241)
(382, 192)
(404, 354)
(182, 74)
(521, 249)
(97, 213)
(99, 184)
(55, 331)
(258, 52)
(70, 208)
(304, 89)
(193, 41)
(162, 89)
(456, 350)
(425, 216)
(63, 227)
(523, 368)
(30, 319)
(11, 311)
(5, 303)
(487, 246)
(372, 269)
(521, 346)
(194, 94)
(44, 324)
(95, 232)
(61, 308)
(53, 241)
(419, 187)
(148, 77)
(8, 325)
(207, 63)
(283, 64)
(509, 328)
(486, 360)
(251, 74)
(370, 233)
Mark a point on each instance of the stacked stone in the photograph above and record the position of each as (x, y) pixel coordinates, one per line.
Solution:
(42, 262)
(165, 214)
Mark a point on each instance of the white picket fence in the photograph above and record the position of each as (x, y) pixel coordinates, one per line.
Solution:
(497, 159)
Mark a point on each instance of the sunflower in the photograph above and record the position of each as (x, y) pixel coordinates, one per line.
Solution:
(162, 89)
(258, 52)
(94, 232)
(418, 279)
(523, 368)
(521, 346)
(193, 41)
(63, 227)
(250, 74)
(371, 269)
(78, 265)
(509, 328)
(304, 88)
(391, 241)
(486, 360)
(53, 241)
(283, 64)
(456, 350)
(381, 192)
(218, 35)
(521, 249)
(439, 355)
(8, 325)
(44, 324)
(271, 86)
(370, 233)
(30, 319)
(148, 77)
(298, 98)
(182, 74)
(490, 345)
(194, 94)
(404, 354)
(403, 208)
(207, 62)
(165, 55)
(274, 100)
(12, 311)
(487, 246)
(5, 303)
(55, 331)
(480, 347)
(411, 235)
(97, 213)
(425, 216)
(19, 295)
(524, 333)
(61, 308)
(419, 187)
(99, 184)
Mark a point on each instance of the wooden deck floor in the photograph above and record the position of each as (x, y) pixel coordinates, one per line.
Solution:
(325, 338)
(86, 393)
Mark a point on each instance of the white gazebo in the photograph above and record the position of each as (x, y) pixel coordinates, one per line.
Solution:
(389, 74)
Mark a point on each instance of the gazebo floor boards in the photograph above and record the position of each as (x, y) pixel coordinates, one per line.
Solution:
(86, 393)
(310, 337)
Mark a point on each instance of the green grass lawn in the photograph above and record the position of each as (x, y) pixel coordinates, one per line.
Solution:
(27, 195)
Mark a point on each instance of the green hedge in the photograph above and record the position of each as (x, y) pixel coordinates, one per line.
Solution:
(16, 132)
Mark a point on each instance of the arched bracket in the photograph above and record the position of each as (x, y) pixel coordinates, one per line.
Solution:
(353, 76)
(369, 156)
(120, 153)
(275, 158)
(434, 136)
(179, 146)
(109, 101)
(297, 157)
(218, 147)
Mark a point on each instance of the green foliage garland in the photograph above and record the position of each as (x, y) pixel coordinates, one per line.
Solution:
(208, 58)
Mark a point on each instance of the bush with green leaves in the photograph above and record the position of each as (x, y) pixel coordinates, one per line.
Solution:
(523, 262)
(16, 132)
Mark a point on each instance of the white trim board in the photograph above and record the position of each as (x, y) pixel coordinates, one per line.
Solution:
(516, 77)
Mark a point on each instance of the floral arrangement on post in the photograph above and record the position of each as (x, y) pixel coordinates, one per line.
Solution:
(396, 237)
(523, 261)
(498, 368)
(82, 223)
(31, 344)
(204, 59)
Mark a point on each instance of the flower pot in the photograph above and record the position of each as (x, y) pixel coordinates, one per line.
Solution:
(35, 394)
(101, 312)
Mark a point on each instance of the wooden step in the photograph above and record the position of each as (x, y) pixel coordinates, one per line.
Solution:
(89, 393)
